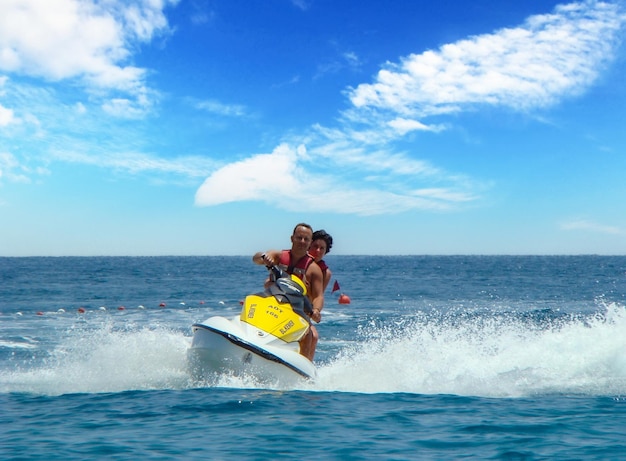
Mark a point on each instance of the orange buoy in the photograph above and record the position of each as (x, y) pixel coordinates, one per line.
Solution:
(344, 299)
(162, 305)
(40, 313)
(121, 308)
(81, 310)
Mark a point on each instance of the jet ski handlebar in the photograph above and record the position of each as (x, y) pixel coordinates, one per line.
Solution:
(290, 287)
(276, 272)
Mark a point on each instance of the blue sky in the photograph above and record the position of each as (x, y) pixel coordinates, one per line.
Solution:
(194, 127)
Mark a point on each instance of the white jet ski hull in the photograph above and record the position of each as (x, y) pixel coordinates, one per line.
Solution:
(221, 345)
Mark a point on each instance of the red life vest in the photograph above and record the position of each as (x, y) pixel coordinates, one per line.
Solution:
(299, 268)
(323, 266)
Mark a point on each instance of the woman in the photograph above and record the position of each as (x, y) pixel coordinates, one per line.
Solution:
(320, 246)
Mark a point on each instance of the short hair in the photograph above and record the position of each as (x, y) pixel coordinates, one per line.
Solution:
(302, 224)
(323, 235)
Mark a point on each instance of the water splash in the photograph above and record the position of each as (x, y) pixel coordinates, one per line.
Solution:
(487, 356)
(480, 355)
(105, 360)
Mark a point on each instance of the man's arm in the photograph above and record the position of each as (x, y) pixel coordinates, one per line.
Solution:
(267, 258)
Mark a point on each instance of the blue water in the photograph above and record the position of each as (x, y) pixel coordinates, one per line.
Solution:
(436, 358)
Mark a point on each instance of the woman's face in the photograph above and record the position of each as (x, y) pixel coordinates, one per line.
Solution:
(318, 249)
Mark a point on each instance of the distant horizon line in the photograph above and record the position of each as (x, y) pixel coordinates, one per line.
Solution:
(330, 256)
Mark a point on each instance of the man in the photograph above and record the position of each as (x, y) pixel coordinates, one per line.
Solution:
(299, 262)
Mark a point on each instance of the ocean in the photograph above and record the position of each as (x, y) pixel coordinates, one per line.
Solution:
(435, 358)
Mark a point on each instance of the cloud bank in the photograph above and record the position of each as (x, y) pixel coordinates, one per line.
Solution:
(89, 41)
(356, 168)
(590, 226)
(535, 65)
(277, 179)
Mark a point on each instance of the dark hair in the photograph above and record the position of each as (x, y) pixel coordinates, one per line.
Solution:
(323, 235)
(302, 224)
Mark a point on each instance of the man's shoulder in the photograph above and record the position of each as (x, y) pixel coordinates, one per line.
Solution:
(314, 267)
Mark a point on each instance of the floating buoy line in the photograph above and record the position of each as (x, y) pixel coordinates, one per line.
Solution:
(343, 299)
(83, 310)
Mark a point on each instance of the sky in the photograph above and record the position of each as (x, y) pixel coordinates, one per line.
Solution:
(212, 127)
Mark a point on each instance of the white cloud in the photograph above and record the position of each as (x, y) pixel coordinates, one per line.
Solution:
(403, 126)
(6, 116)
(11, 169)
(590, 226)
(444, 195)
(283, 178)
(301, 4)
(535, 65)
(263, 175)
(80, 108)
(355, 167)
(128, 108)
(135, 163)
(344, 60)
(80, 39)
(353, 157)
(218, 108)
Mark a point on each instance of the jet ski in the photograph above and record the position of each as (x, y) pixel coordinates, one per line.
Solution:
(261, 342)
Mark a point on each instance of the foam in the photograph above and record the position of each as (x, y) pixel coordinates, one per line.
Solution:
(495, 357)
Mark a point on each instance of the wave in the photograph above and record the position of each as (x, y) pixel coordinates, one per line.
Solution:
(471, 355)
(105, 360)
(495, 356)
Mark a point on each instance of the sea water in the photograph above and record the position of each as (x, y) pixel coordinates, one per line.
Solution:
(455, 357)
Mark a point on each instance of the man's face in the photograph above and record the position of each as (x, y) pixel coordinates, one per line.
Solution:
(301, 239)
